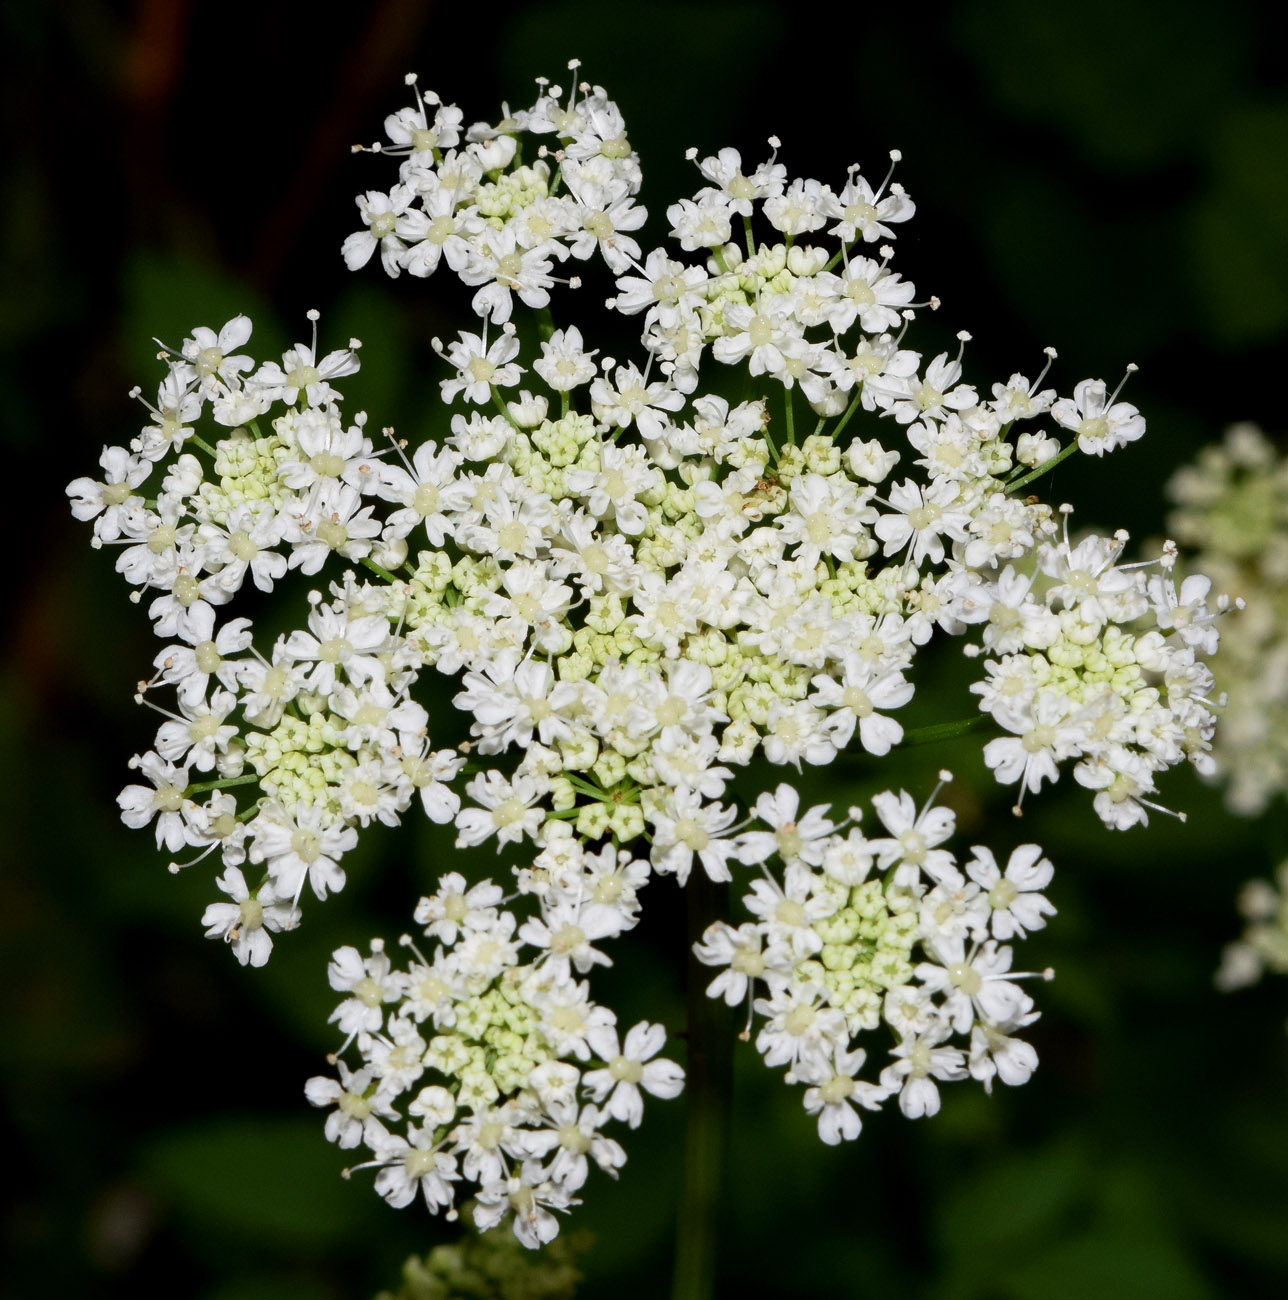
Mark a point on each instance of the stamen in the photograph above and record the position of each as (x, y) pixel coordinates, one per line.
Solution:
(1050, 356)
(1131, 370)
(1158, 807)
(745, 1035)
(896, 156)
(945, 776)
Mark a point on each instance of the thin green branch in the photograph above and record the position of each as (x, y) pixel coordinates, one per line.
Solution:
(204, 787)
(585, 787)
(499, 402)
(840, 254)
(945, 730)
(1063, 454)
(849, 412)
(707, 1087)
(390, 578)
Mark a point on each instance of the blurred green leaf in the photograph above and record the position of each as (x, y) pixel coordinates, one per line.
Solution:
(264, 1180)
(1109, 1264)
(1009, 1208)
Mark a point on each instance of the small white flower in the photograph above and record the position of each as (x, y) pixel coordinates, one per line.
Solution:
(629, 1069)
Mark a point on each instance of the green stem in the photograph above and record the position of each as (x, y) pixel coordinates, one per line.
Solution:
(770, 443)
(849, 411)
(789, 417)
(1063, 454)
(839, 254)
(707, 1089)
(499, 402)
(202, 787)
(944, 730)
(379, 572)
(586, 788)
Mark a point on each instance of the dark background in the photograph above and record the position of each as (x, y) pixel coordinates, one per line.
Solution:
(1106, 178)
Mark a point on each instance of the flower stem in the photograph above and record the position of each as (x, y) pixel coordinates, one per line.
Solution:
(849, 411)
(944, 730)
(391, 578)
(707, 1090)
(204, 787)
(1063, 454)
(499, 402)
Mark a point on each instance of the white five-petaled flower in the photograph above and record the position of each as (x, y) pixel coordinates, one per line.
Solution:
(1100, 423)
(630, 1068)
(1016, 905)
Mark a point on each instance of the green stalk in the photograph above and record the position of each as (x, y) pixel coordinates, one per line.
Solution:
(707, 1089)
(769, 442)
(944, 730)
(839, 254)
(499, 402)
(226, 783)
(849, 411)
(380, 572)
(1063, 454)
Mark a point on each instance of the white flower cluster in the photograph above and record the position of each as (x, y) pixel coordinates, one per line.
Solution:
(497, 1071)
(1231, 517)
(834, 947)
(1106, 667)
(641, 587)
(1263, 945)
